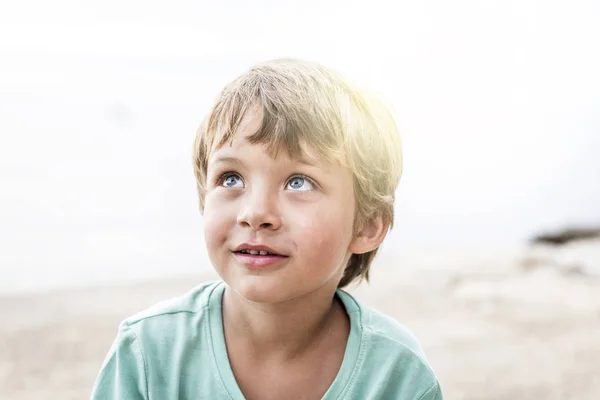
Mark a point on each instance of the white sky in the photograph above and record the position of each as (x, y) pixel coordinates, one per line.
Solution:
(497, 101)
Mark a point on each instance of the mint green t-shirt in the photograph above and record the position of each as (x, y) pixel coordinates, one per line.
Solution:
(176, 350)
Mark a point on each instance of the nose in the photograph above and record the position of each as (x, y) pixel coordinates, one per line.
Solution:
(260, 211)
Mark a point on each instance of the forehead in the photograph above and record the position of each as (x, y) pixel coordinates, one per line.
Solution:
(242, 141)
(240, 147)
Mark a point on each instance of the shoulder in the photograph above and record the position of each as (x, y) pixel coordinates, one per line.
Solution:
(393, 361)
(174, 316)
(191, 302)
(175, 333)
(382, 328)
(390, 332)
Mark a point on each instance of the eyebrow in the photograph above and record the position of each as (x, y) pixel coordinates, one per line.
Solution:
(307, 161)
(225, 159)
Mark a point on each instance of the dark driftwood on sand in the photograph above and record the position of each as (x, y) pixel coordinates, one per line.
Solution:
(566, 236)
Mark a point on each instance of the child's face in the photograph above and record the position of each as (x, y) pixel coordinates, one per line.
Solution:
(301, 211)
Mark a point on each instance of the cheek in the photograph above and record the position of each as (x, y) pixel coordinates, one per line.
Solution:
(216, 221)
(325, 232)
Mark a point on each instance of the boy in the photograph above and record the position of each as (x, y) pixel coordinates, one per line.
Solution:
(296, 170)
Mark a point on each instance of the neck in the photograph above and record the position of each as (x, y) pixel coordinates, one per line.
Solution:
(283, 330)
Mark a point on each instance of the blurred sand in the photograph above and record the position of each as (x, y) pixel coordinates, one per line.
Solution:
(491, 329)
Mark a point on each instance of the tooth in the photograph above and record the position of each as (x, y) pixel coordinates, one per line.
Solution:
(263, 253)
(253, 252)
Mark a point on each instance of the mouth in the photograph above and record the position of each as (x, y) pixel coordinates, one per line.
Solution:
(253, 256)
(257, 250)
(258, 253)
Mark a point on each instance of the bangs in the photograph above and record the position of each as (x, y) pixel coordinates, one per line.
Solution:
(289, 121)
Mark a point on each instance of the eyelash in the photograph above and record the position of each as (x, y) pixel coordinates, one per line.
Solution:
(225, 175)
(306, 178)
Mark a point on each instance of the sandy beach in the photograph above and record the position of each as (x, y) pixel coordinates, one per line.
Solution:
(491, 328)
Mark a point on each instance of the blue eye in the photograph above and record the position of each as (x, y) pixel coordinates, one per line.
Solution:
(300, 183)
(231, 180)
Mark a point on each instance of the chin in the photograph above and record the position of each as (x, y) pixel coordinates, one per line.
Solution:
(260, 289)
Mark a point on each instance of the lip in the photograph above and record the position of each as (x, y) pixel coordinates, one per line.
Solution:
(260, 262)
(257, 261)
(257, 247)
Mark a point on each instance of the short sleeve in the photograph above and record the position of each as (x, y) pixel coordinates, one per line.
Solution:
(123, 375)
(433, 393)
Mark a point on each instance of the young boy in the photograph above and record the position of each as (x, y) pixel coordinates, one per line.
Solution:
(296, 170)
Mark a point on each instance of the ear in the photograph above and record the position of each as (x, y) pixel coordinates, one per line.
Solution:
(370, 235)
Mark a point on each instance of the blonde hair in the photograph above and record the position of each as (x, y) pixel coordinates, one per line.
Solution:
(306, 103)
